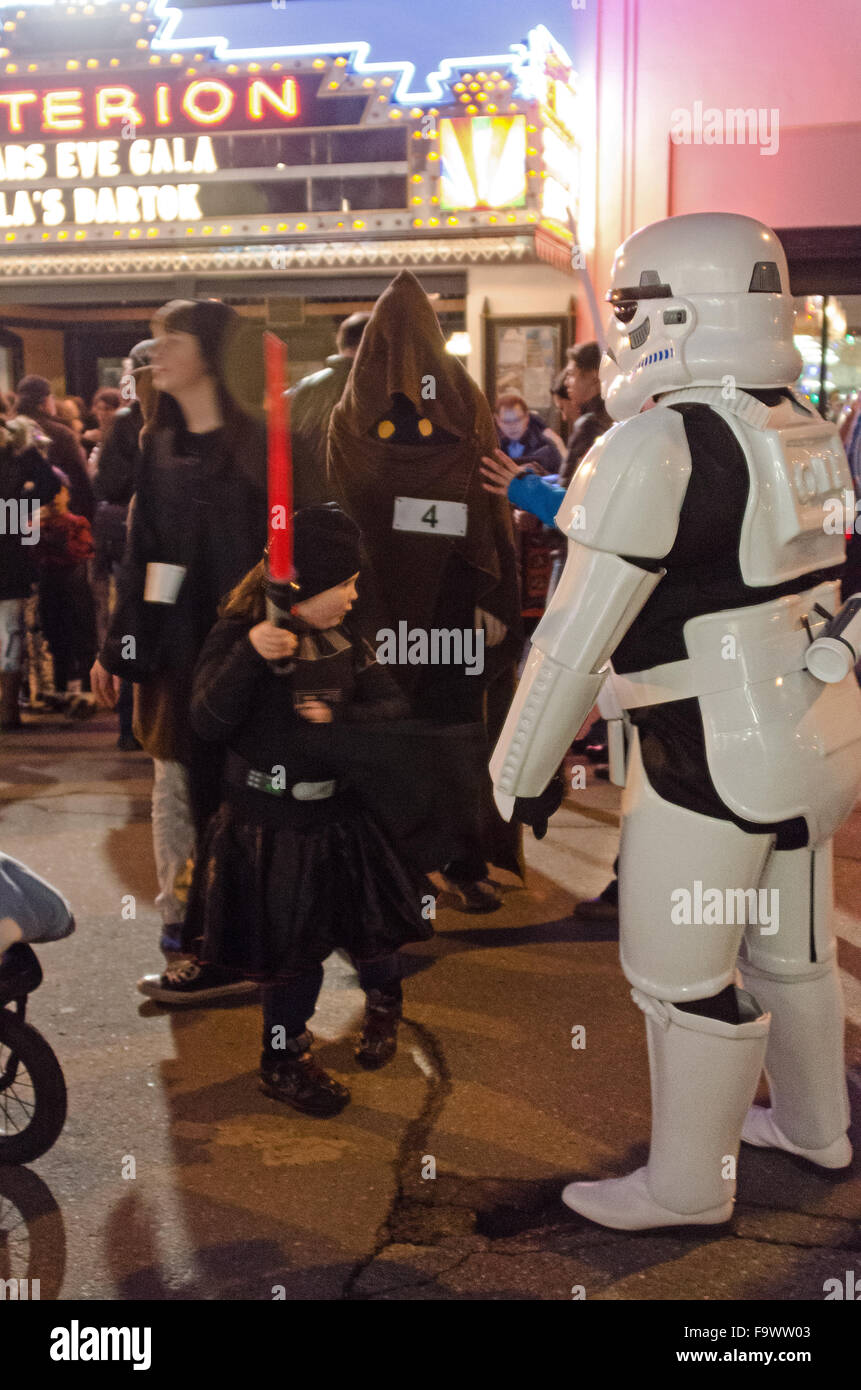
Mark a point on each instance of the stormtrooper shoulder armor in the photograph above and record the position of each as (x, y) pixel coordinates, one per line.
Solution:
(627, 494)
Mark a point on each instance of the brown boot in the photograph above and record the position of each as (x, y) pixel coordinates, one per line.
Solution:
(298, 1079)
(10, 717)
(379, 1039)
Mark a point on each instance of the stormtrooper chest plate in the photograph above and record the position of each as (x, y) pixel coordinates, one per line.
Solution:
(798, 471)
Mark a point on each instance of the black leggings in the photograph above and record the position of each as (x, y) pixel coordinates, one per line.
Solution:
(290, 1004)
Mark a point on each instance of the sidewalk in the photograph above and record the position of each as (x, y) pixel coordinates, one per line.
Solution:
(234, 1197)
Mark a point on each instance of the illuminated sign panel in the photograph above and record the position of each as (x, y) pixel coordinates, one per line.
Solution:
(179, 107)
(483, 162)
(321, 143)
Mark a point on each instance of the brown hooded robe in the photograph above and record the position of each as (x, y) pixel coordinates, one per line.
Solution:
(404, 579)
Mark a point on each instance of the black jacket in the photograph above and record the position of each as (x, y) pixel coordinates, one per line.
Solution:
(24, 477)
(420, 781)
(312, 401)
(119, 458)
(587, 428)
(238, 698)
(67, 454)
(207, 513)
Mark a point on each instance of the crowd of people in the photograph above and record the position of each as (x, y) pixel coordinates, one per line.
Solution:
(170, 470)
(319, 751)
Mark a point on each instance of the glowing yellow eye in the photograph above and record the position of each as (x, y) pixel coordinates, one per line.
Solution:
(425, 428)
(385, 429)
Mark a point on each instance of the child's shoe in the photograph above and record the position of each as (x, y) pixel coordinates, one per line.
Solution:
(187, 981)
(380, 1032)
(297, 1078)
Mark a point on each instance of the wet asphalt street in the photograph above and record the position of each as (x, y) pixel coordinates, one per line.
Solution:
(441, 1180)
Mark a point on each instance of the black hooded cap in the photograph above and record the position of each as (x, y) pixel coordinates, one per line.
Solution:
(325, 549)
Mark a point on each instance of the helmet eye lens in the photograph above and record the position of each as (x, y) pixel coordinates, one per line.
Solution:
(626, 310)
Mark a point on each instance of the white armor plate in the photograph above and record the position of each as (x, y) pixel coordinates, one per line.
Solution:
(788, 746)
(797, 464)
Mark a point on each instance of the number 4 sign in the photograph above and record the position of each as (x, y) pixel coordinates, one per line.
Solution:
(432, 517)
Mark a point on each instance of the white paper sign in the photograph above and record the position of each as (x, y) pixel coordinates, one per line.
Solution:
(433, 518)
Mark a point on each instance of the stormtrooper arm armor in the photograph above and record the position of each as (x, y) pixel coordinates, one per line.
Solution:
(625, 499)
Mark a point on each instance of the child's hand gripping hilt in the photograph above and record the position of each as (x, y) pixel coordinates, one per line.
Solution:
(281, 596)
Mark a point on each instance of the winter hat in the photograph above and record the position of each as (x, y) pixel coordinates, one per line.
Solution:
(325, 549)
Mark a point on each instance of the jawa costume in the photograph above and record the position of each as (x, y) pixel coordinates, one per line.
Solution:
(405, 443)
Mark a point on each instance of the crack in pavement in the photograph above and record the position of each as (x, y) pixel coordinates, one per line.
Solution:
(438, 1091)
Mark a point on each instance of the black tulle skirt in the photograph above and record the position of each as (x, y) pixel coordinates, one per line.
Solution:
(274, 896)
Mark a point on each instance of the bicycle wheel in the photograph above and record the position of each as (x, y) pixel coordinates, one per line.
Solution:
(32, 1092)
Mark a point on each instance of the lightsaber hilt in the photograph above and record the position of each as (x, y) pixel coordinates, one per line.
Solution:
(281, 597)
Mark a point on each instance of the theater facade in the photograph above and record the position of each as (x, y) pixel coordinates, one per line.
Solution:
(136, 167)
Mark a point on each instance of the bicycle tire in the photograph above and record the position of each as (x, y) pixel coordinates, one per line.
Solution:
(49, 1091)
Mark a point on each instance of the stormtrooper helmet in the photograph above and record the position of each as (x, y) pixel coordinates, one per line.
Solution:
(696, 300)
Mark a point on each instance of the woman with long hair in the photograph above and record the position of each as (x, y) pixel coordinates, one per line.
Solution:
(197, 525)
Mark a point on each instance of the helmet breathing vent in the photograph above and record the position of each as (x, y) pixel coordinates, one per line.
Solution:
(765, 278)
(639, 335)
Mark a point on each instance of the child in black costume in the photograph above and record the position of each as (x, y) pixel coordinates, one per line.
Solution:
(292, 866)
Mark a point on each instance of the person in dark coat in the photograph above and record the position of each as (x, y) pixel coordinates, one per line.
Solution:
(293, 864)
(524, 436)
(114, 484)
(584, 391)
(405, 442)
(66, 605)
(35, 401)
(27, 482)
(312, 401)
(200, 507)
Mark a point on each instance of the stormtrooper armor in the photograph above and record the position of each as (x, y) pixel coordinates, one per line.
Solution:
(700, 565)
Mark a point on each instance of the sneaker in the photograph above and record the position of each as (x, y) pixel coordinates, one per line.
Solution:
(188, 982)
(379, 1039)
(480, 896)
(297, 1079)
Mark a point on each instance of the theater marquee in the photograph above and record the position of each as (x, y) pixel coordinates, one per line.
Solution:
(113, 136)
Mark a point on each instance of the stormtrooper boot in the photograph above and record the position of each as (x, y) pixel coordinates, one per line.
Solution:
(804, 1064)
(704, 1074)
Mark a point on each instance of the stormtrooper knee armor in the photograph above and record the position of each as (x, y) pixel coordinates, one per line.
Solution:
(701, 562)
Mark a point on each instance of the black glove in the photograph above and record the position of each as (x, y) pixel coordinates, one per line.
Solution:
(537, 810)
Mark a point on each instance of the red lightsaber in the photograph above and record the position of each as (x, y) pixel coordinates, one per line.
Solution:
(280, 588)
(280, 461)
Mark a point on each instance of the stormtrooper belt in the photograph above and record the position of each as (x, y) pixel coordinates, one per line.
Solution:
(708, 675)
